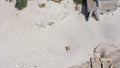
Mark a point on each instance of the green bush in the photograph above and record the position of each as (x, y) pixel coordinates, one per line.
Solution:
(77, 1)
(20, 4)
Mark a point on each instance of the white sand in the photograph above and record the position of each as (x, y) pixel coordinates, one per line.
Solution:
(27, 41)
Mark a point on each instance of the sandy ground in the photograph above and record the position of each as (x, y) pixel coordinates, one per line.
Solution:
(36, 37)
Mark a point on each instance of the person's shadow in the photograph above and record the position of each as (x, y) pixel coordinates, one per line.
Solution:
(84, 9)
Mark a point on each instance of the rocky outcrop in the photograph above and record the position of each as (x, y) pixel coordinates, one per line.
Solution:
(105, 56)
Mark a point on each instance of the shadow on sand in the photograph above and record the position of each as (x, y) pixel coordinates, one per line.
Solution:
(84, 9)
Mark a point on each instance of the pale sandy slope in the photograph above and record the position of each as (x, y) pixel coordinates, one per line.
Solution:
(27, 41)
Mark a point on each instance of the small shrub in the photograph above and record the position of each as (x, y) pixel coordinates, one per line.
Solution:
(41, 5)
(20, 4)
(50, 23)
(58, 1)
(77, 1)
(10, 0)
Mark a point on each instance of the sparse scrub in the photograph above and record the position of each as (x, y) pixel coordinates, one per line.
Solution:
(77, 1)
(41, 5)
(10, 0)
(57, 1)
(50, 23)
(20, 4)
